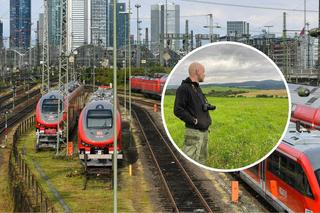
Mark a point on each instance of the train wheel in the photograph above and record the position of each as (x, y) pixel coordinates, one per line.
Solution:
(37, 148)
(37, 143)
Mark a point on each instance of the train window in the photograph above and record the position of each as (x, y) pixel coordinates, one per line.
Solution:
(274, 164)
(51, 106)
(290, 172)
(99, 119)
(317, 173)
(302, 183)
(254, 169)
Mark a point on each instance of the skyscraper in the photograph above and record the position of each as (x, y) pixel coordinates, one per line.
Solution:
(99, 20)
(20, 23)
(78, 23)
(122, 24)
(157, 26)
(1, 34)
(54, 22)
(237, 28)
(163, 22)
(40, 29)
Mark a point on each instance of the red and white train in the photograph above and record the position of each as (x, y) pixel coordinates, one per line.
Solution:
(294, 171)
(289, 179)
(149, 86)
(47, 116)
(95, 130)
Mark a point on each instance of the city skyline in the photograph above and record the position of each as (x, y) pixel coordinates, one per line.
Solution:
(257, 18)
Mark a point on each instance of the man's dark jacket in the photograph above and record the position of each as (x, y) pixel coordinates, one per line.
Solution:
(188, 105)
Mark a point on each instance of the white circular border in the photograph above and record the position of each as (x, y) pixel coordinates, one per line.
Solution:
(164, 92)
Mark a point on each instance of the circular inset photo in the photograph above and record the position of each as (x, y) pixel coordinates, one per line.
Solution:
(226, 106)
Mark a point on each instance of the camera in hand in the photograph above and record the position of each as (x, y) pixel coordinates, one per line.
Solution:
(206, 107)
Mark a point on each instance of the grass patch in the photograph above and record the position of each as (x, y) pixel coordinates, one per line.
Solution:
(220, 91)
(98, 197)
(207, 89)
(243, 129)
(6, 204)
(275, 93)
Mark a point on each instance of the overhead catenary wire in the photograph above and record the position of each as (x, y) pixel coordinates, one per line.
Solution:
(248, 6)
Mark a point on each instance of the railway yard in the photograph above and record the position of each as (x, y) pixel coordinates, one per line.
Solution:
(188, 106)
(153, 176)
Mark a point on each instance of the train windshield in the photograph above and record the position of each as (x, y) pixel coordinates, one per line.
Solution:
(317, 173)
(99, 119)
(51, 106)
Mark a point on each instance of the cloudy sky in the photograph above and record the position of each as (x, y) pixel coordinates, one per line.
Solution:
(227, 63)
(197, 12)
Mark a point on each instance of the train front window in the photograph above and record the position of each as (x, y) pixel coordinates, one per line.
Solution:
(99, 119)
(51, 106)
(317, 173)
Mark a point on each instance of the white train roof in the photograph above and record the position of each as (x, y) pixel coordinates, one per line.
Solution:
(102, 94)
(312, 100)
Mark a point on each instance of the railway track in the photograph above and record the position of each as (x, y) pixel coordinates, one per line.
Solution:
(20, 112)
(182, 192)
(141, 100)
(19, 90)
(19, 100)
(5, 97)
(245, 207)
(17, 116)
(120, 91)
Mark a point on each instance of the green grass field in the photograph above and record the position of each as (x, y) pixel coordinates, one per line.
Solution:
(242, 132)
(220, 88)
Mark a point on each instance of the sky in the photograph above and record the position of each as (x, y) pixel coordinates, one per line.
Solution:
(227, 63)
(196, 13)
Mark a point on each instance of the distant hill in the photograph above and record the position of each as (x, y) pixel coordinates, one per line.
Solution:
(264, 85)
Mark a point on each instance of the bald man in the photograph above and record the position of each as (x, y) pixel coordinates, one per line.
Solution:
(192, 107)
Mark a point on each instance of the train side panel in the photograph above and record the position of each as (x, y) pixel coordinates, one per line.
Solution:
(296, 186)
(150, 86)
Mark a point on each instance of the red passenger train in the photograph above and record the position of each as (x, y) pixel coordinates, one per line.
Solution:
(149, 86)
(289, 179)
(47, 116)
(95, 130)
(294, 171)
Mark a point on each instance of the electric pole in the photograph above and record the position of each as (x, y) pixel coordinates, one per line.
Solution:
(63, 130)
(129, 59)
(115, 112)
(211, 27)
(45, 53)
(138, 54)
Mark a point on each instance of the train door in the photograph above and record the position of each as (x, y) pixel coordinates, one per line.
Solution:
(263, 175)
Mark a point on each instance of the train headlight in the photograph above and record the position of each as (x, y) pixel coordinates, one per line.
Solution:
(85, 144)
